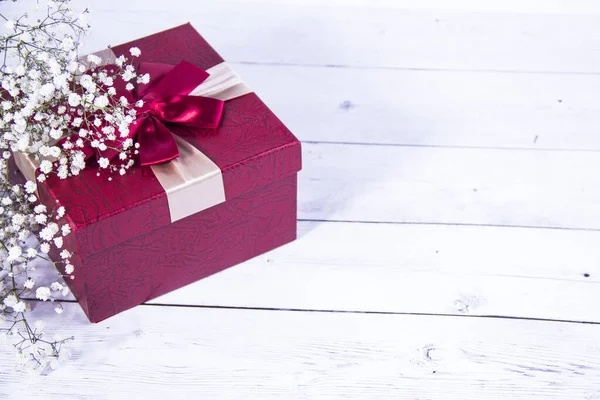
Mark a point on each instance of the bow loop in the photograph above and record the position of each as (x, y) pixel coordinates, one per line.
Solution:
(157, 142)
(191, 111)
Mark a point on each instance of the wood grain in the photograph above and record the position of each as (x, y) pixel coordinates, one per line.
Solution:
(450, 186)
(154, 352)
(459, 270)
(416, 269)
(432, 108)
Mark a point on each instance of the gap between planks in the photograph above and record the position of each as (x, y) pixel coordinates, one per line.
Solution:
(326, 311)
(340, 221)
(434, 146)
(411, 69)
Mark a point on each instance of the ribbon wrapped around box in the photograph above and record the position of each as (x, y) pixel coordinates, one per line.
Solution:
(216, 186)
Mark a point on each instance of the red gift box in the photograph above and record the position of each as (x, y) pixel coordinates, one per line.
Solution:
(128, 250)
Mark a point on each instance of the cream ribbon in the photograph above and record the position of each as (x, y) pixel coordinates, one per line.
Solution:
(192, 182)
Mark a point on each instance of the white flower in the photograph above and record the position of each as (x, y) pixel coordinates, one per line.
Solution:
(34, 74)
(63, 172)
(101, 101)
(59, 310)
(68, 43)
(78, 160)
(56, 133)
(20, 70)
(46, 166)
(144, 78)
(20, 307)
(31, 252)
(41, 219)
(69, 268)
(14, 253)
(135, 52)
(54, 151)
(54, 66)
(139, 103)
(128, 75)
(77, 122)
(40, 208)
(29, 283)
(60, 211)
(61, 81)
(58, 242)
(56, 286)
(43, 293)
(49, 231)
(65, 254)
(87, 82)
(74, 100)
(30, 187)
(72, 67)
(47, 90)
(129, 86)
(94, 59)
(66, 229)
(23, 143)
(10, 300)
(45, 248)
(103, 162)
(18, 219)
(120, 60)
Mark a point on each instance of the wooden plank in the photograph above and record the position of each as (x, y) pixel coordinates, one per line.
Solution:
(417, 269)
(426, 108)
(450, 186)
(460, 270)
(333, 34)
(157, 353)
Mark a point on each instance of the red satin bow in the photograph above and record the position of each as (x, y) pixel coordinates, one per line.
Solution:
(166, 101)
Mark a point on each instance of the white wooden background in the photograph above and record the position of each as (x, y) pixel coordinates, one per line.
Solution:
(449, 212)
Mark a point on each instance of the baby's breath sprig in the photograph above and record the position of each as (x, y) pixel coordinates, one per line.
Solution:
(62, 111)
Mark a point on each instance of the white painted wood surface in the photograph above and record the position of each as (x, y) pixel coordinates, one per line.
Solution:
(451, 159)
(164, 353)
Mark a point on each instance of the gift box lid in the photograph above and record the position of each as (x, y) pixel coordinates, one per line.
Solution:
(251, 147)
